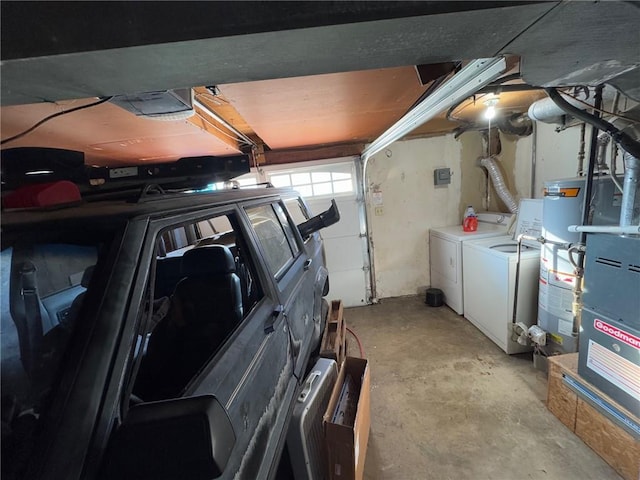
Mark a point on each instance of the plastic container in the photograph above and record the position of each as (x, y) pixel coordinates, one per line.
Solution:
(434, 297)
(470, 221)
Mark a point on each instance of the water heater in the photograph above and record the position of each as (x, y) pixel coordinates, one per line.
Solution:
(562, 206)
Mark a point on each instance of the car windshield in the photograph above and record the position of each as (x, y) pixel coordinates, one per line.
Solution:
(44, 282)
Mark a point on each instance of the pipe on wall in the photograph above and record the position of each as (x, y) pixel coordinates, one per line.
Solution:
(583, 130)
(499, 184)
(603, 142)
(614, 229)
(629, 188)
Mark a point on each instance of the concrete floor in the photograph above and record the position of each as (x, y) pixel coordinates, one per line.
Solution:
(447, 403)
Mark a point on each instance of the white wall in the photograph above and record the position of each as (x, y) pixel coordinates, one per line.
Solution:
(557, 154)
(411, 204)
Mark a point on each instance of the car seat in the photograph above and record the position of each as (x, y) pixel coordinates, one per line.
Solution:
(206, 306)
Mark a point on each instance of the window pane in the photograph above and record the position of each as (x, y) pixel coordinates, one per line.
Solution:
(305, 190)
(280, 180)
(300, 178)
(213, 226)
(244, 182)
(31, 359)
(343, 186)
(272, 237)
(321, 177)
(322, 189)
(284, 221)
(340, 176)
(296, 210)
(188, 287)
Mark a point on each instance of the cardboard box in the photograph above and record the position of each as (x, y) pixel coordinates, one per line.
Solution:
(615, 445)
(347, 444)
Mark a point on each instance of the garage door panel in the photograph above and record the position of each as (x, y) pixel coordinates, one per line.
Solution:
(341, 287)
(339, 252)
(348, 208)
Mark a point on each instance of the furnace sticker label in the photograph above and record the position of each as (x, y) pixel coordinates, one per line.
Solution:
(565, 327)
(616, 369)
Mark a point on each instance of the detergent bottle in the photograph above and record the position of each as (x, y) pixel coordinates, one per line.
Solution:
(470, 221)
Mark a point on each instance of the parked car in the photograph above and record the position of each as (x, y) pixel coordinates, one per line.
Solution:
(162, 335)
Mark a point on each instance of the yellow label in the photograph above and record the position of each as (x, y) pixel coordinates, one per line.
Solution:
(561, 192)
(555, 338)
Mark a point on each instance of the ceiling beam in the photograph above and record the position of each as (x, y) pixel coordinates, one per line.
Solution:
(276, 157)
(203, 119)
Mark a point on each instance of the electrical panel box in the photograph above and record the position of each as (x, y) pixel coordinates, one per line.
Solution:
(442, 176)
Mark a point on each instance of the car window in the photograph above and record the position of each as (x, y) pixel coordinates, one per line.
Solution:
(201, 294)
(288, 229)
(297, 210)
(278, 249)
(43, 290)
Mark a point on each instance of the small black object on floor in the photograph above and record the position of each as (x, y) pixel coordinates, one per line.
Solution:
(434, 297)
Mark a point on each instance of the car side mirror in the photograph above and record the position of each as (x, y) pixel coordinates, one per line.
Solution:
(188, 437)
(325, 219)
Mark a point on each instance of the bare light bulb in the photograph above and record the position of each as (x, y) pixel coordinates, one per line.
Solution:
(490, 112)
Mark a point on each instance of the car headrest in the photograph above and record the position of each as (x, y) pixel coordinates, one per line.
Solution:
(86, 276)
(209, 260)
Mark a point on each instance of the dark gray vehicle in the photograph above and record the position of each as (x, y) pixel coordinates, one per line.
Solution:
(164, 337)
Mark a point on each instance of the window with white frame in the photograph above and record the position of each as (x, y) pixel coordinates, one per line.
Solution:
(323, 180)
(246, 180)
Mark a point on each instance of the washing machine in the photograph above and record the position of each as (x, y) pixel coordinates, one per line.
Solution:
(490, 269)
(445, 254)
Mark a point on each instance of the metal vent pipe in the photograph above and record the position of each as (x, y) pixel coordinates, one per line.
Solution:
(629, 189)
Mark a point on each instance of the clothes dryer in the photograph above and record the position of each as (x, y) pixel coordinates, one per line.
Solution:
(446, 256)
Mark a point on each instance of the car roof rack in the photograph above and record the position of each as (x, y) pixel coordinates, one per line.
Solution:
(32, 165)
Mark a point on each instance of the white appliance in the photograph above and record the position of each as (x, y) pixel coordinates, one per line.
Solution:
(489, 270)
(445, 254)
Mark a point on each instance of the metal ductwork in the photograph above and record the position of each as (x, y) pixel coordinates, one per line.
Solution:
(498, 183)
(629, 189)
(515, 124)
(545, 110)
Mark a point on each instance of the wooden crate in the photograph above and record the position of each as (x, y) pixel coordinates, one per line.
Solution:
(615, 445)
(335, 333)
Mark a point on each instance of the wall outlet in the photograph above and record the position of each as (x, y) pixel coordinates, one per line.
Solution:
(379, 211)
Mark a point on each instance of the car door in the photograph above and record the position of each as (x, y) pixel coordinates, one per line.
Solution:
(292, 272)
(251, 371)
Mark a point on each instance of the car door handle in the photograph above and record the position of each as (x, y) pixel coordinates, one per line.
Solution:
(271, 321)
(307, 263)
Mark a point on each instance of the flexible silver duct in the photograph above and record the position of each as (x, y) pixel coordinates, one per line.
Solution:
(498, 183)
(629, 189)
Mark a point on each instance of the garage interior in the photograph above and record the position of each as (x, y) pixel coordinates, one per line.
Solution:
(324, 97)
